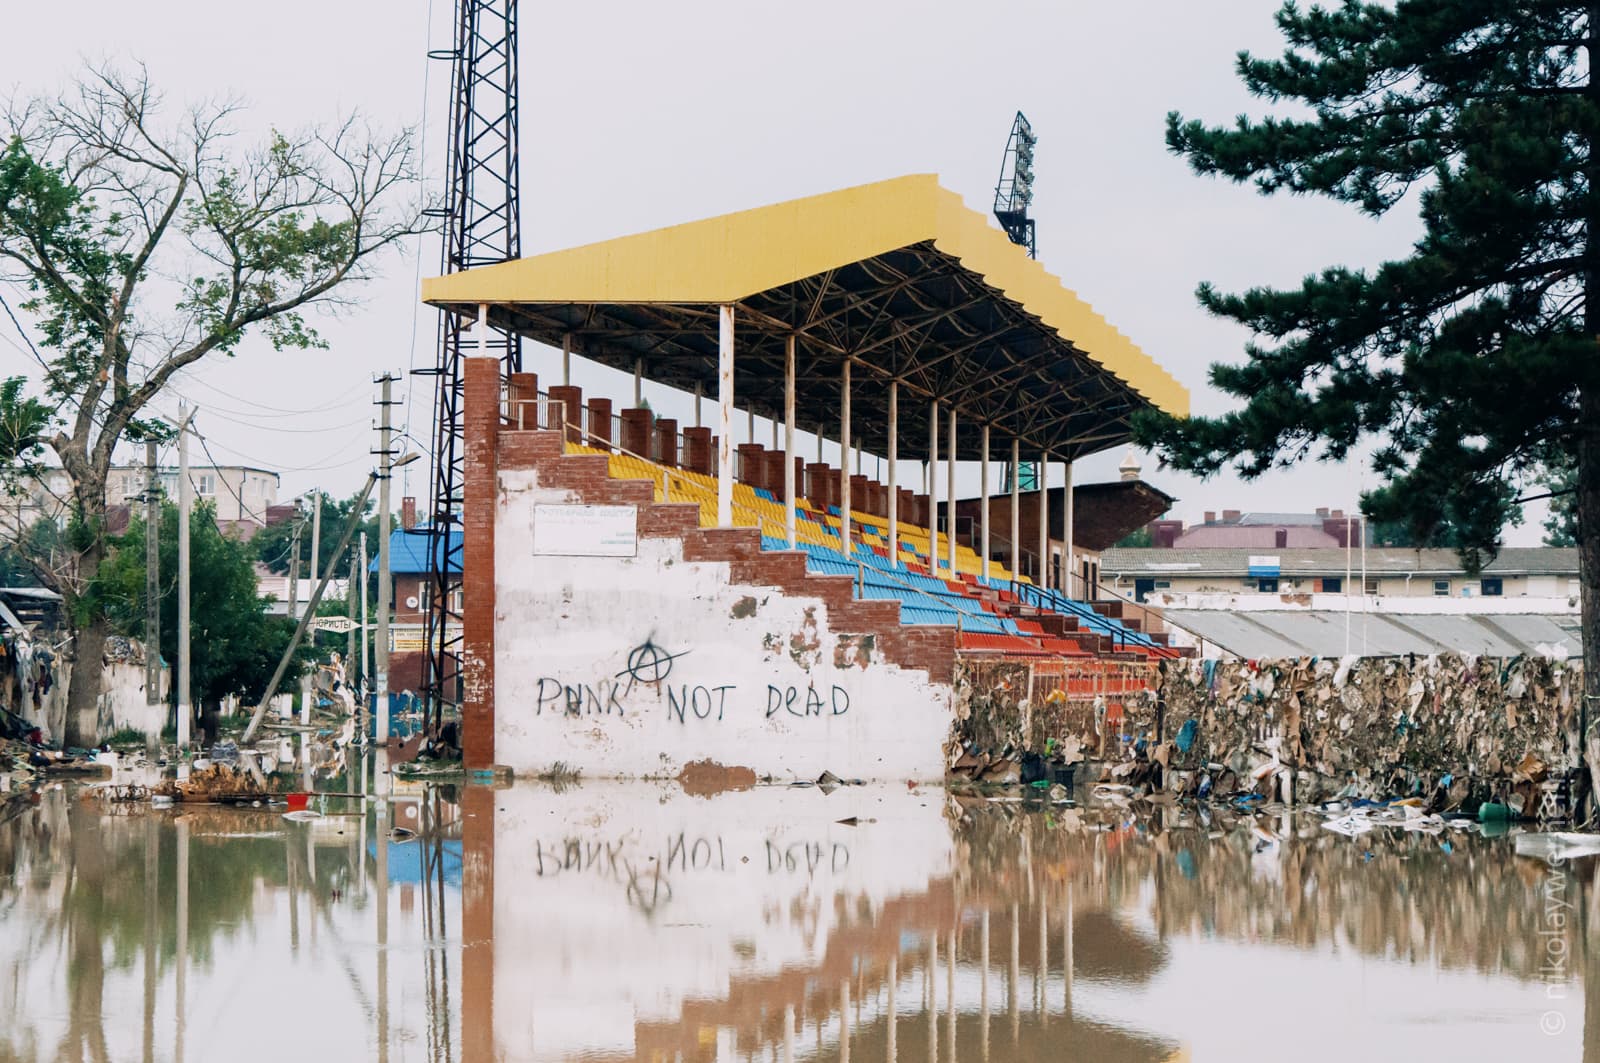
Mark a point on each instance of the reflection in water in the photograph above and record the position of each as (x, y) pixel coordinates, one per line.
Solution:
(631, 922)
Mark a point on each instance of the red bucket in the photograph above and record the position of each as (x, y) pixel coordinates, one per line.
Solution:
(297, 802)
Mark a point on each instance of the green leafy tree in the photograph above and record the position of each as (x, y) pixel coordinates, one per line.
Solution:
(1561, 526)
(29, 558)
(1139, 537)
(1471, 359)
(141, 246)
(275, 545)
(235, 644)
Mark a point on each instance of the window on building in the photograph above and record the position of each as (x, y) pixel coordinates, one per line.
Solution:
(206, 484)
(1493, 588)
(1333, 585)
(1441, 588)
(1267, 586)
(1372, 586)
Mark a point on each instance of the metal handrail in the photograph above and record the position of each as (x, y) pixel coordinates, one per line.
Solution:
(763, 520)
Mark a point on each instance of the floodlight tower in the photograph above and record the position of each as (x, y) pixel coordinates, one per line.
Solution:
(482, 224)
(1013, 193)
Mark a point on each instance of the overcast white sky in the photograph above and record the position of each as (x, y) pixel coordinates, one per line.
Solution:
(637, 115)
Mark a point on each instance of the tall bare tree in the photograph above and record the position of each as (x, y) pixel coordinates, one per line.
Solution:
(142, 245)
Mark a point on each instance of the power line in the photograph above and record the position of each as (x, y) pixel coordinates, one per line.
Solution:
(244, 510)
(416, 284)
(245, 417)
(21, 332)
(285, 468)
(339, 400)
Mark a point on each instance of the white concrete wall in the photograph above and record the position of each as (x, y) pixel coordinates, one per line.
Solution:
(637, 899)
(1430, 605)
(1389, 586)
(123, 702)
(636, 666)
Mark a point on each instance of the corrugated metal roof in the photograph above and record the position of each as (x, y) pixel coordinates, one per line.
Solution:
(1321, 633)
(1384, 561)
(1251, 520)
(884, 250)
(408, 553)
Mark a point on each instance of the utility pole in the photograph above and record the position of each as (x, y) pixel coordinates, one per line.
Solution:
(152, 579)
(294, 572)
(185, 504)
(366, 642)
(380, 686)
(316, 532)
(350, 614)
(310, 613)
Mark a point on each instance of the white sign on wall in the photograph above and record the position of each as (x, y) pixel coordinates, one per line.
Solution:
(585, 531)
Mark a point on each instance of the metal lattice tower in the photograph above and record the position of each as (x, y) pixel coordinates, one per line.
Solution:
(482, 223)
(1013, 193)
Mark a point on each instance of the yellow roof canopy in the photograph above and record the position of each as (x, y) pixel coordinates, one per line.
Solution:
(899, 276)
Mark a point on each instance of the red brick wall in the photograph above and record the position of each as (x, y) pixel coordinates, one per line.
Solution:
(489, 449)
(481, 431)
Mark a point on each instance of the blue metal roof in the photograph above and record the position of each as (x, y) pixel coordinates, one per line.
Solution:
(408, 553)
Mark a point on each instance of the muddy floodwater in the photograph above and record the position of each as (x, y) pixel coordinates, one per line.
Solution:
(604, 922)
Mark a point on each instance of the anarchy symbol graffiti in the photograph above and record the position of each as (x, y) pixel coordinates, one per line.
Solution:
(648, 663)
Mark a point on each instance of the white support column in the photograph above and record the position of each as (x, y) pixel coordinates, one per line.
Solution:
(1044, 521)
(983, 472)
(894, 462)
(788, 441)
(698, 395)
(950, 491)
(844, 462)
(724, 416)
(1016, 509)
(638, 379)
(1072, 558)
(566, 359)
(750, 425)
(933, 486)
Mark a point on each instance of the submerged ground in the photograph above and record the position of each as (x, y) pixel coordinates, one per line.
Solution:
(622, 922)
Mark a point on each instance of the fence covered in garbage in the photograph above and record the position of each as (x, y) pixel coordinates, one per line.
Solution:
(1390, 725)
(1386, 723)
(1005, 707)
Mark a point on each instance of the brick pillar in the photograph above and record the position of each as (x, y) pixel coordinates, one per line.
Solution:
(477, 922)
(858, 492)
(667, 441)
(752, 467)
(774, 473)
(480, 432)
(908, 505)
(636, 431)
(523, 405)
(571, 399)
(874, 503)
(600, 423)
(919, 510)
(697, 445)
(817, 484)
(800, 478)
